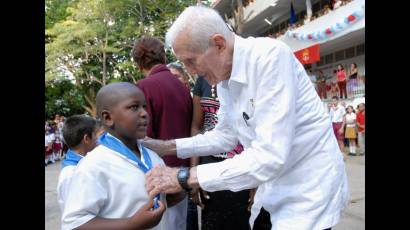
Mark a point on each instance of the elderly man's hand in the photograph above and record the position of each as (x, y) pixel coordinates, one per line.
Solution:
(162, 179)
(161, 147)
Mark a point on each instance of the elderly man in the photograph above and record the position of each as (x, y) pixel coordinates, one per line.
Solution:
(268, 104)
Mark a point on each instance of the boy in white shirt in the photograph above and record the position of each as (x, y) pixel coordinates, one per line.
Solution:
(49, 157)
(108, 191)
(80, 134)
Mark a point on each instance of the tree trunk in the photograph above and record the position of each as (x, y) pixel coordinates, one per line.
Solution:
(92, 107)
(104, 77)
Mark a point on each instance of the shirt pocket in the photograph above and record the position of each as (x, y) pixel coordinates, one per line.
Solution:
(249, 111)
(247, 121)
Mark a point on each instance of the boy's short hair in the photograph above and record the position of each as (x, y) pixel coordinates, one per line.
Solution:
(75, 127)
(335, 97)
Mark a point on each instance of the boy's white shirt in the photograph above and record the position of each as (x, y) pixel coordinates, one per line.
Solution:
(63, 184)
(49, 138)
(109, 185)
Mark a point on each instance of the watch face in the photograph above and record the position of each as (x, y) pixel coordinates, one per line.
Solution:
(183, 174)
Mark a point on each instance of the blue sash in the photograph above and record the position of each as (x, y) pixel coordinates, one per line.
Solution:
(71, 158)
(119, 147)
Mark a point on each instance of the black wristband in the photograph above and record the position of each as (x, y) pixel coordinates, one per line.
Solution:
(182, 176)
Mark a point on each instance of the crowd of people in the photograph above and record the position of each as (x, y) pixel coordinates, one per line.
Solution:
(346, 83)
(54, 143)
(229, 144)
(348, 126)
(327, 8)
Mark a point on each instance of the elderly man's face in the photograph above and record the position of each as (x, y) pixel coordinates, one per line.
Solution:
(211, 64)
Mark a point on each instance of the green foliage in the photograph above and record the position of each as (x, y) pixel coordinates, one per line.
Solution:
(92, 40)
(62, 97)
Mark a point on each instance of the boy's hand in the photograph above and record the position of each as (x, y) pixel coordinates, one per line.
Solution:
(196, 197)
(146, 217)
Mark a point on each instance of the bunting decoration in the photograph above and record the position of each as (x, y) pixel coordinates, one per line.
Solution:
(331, 30)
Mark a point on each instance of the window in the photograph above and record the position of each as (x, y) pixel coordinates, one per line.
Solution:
(340, 55)
(328, 58)
(360, 49)
(350, 52)
(321, 61)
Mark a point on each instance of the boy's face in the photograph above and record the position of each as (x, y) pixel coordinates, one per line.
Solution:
(128, 118)
(334, 102)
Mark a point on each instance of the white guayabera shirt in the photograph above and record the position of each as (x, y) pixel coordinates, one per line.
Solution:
(270, 106)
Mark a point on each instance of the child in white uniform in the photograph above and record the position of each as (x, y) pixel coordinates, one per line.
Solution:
(108, 191)
(80, 133)
(49, 139)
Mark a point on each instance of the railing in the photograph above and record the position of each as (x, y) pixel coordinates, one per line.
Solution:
(303, 21)
(355, 88)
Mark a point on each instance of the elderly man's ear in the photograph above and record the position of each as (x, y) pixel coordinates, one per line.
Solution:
(219, 41)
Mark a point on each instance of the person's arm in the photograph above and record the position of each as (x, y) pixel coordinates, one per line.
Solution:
(220, 139)
(196, 128)
(175, 198)
(197, 123)
(343, 124)
(274, 123)
(359, 125)
(144, 218)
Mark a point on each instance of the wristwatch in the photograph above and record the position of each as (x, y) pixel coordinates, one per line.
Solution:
(183, 175)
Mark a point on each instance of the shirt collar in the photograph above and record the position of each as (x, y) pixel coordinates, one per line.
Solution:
(138, 144)
(158, 68)
(239, 62)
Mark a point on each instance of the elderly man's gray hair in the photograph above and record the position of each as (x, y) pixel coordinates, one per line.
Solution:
(201, 23)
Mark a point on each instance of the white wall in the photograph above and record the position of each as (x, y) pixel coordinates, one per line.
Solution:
(324, 22)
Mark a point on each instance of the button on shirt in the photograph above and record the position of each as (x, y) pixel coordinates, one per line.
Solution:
(291, 153)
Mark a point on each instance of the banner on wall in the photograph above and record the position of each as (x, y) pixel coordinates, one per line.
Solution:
(308, 55)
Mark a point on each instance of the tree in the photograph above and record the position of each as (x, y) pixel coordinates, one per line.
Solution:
(62, 97)
(92, 40)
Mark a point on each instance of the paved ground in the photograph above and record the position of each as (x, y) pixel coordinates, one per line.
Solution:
(353, 217)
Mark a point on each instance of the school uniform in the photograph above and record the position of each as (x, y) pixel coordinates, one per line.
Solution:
(49, 157)
(107, 184)
(65, 177)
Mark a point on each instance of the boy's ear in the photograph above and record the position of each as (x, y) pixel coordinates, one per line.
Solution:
(86, 139)
(107, 118)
